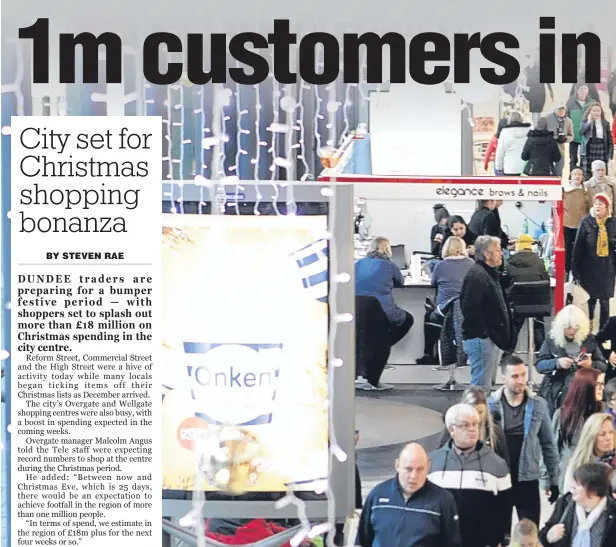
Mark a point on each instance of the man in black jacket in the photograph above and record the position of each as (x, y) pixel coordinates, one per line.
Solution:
(487, 324)
(525, 265)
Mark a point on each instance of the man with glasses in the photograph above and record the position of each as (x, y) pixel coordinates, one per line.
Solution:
(528, 430)
(478, 479)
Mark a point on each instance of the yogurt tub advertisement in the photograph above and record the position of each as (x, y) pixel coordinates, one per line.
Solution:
(245, 327)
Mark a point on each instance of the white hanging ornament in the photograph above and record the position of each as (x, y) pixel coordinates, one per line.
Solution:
(333, 106)
(288, 103)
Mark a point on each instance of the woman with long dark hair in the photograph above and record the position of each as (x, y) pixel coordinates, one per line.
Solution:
(456, 226)
(580, 403)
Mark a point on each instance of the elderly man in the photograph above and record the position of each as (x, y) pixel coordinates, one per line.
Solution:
(478, 479)
(487, 325)
(562, 127)
(408, 510)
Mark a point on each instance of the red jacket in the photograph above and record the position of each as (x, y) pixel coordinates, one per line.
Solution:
(614, 130)
(250, 533)
(491, 150)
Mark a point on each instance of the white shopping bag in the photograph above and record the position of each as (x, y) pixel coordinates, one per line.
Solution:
(578, 294)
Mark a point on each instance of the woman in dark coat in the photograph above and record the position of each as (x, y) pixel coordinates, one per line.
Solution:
(486, 221)
(541, 151)
(594, 256)
(586, 516)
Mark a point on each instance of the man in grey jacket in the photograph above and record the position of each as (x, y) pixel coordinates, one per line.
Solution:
(562, 127)
(528, 430)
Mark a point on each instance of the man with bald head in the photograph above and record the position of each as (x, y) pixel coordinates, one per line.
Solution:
(408, 510)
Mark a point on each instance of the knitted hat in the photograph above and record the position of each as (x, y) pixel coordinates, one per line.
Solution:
(524, 243)
(605, 199)
(597, 164)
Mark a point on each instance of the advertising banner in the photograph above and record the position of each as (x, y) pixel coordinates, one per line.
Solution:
(245, 327)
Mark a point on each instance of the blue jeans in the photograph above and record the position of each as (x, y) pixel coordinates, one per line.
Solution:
(481, 353)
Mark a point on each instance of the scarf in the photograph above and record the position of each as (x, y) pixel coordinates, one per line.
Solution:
(602, 245)
(586, 522)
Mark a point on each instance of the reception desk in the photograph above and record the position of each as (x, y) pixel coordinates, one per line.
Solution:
(411, 298)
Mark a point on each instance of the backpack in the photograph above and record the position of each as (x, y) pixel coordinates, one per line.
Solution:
(554, 387)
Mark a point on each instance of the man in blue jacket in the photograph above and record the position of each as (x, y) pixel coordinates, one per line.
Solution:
(528, 429)
(408, 510)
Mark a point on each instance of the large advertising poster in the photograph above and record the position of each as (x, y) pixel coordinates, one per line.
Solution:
(245, 327)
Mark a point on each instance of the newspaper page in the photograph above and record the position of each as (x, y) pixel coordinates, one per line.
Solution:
(86, 290)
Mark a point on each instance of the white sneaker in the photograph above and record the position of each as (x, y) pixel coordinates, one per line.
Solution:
(369, 387)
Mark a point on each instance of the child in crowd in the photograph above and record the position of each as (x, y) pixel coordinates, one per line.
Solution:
(610, 399)
(525, 534)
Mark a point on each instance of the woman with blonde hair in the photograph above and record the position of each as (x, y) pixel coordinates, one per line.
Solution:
(447, 277)
(597, 444)
(568, 348)
(376, 275)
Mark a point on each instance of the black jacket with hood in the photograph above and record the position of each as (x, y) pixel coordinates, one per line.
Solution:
(541, 152)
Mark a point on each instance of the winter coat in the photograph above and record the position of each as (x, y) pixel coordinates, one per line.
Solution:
(490, 151)
(597, 275)
(575, 111)
(566, 132)
(536, 89)
(593, 187)
(565, 449)
(541, 152)
(451, 344)
(436, 245)
(485, 308)
(575, 205)
(588, 130)
(608, 332)
(523, 266)
(611, 92)
(429, 518)
(481, 484)
(509, 149)
(377, 277)
(538, 442)
(564, 513)
(486, 222)
(556, 380)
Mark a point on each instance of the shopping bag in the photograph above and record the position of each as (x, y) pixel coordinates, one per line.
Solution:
(579, 297)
